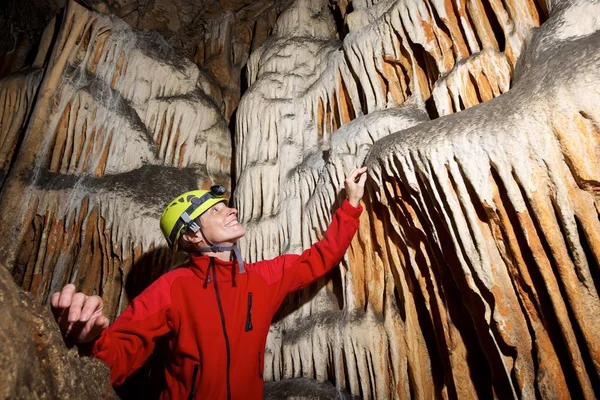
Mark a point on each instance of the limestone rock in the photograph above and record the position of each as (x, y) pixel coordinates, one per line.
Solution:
(474, 273)
(303, 389)
(475, 267)
(118, 127)
(16, 93)
(34, 361)
(217, 35)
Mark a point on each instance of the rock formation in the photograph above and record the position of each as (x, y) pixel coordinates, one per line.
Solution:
(33, 360)
(475, 272)
(119, 124)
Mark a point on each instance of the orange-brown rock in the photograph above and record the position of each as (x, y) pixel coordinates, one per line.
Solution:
(118, 125)
(474, 273)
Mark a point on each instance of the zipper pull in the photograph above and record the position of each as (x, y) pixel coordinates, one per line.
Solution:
(249, 313)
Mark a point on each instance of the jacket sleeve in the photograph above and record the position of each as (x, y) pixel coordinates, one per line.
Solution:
(130, 340)
(291, 272)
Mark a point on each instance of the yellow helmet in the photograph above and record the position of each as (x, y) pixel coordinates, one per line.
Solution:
(185, 208)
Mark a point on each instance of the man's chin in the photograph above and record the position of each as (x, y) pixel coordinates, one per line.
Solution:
(234, 239)
(240, 236)
(241, 233)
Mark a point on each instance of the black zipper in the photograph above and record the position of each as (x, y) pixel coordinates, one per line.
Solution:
(249, 313)
(194, 375)
(224, 327)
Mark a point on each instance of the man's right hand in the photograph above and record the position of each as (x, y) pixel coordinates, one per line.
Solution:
(78, 316)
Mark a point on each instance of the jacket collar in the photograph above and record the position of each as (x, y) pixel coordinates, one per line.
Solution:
(225, 271)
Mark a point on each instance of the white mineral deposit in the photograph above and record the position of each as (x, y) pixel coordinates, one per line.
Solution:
(476, 267)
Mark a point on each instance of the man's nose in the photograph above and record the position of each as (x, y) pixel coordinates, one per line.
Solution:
(233, 211)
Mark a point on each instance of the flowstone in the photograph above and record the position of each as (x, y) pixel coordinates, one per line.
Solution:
(475, 271)
(119, 124)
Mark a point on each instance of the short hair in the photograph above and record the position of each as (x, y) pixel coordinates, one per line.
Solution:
(184, 246)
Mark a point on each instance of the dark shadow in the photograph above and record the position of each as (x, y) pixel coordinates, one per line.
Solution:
(305, 388)
(431, 108)
(145, 270)
(148, 381)
(297, 299)
(339, 17)
(21, 136)
(244, 80)
(232, 129)
(232, 168)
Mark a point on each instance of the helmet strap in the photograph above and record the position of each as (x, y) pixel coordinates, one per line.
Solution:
(215, 248)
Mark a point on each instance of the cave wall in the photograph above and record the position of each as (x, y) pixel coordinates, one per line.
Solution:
(108, 130)
(34, 361)
(475, 269)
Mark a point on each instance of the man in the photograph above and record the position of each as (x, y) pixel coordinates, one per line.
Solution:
(215, 311)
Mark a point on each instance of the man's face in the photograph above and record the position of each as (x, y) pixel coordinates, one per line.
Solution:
(220, 225)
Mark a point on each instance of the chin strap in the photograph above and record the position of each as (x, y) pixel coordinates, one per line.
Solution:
(217, 248)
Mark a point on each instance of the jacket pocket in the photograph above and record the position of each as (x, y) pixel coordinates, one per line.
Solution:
(261, 364)
(249, 313)
(194, 376)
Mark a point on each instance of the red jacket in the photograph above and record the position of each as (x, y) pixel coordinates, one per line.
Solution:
(217, 319)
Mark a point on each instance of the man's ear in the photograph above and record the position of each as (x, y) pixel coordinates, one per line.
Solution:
(192, 238)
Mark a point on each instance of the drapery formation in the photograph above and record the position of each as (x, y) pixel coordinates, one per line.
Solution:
(475, 272)
(110, 128)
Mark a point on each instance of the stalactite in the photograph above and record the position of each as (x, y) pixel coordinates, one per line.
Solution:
(17, 94)
(480, 78)
(119, 127)
(514, 236)
(465, 268)
(387, 57)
